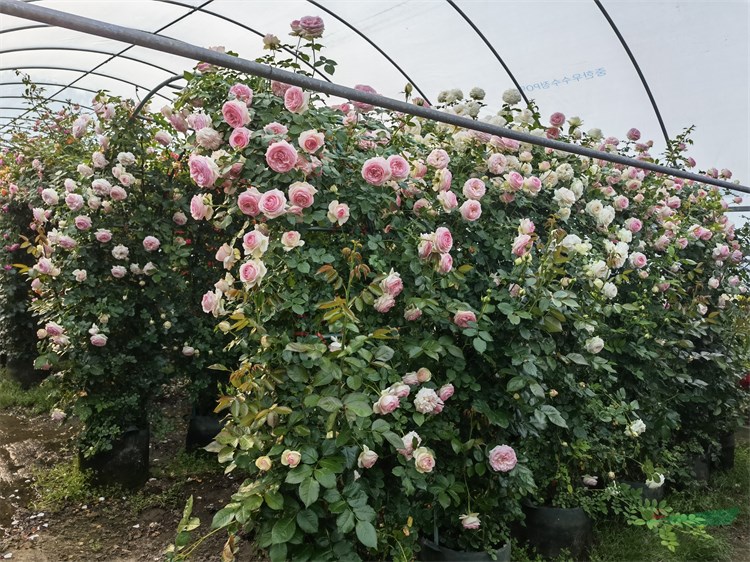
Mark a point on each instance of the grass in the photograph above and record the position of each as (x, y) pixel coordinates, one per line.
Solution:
(37, 399)
(619, 543)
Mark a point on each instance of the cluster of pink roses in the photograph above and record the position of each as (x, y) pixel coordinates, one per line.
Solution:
(427, 400)
(391, 286)
(437, 245)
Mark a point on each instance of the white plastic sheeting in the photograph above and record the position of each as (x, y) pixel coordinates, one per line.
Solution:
(694, 55)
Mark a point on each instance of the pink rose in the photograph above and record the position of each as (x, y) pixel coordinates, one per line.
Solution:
(279, 88)
(446, 391)
(242, 93)
(557, 119)
(620, 203)
(281, 157)
(443, 240)
(424, 460)
(522, 244)
(118, 271)
(526, 226)
(252, 272)
(203, 170)
(272, 203)
(291, 458)
(275, 129)
(399, 167)
(496, 164)
(198, 208)
(53, 329)
(291, 240)
(362, 106)
(235, 113)
(410, 379)
(425, 247)
(208, 138)
(515, 180)
(210, 302)
(117, 193)
(240, 138)
(392, 284)
(179, 218)
(384, 303)
(338, 213)
(411, 441)
(445, 264)
(151, 243)
(83, 222)
(502, 458)
(311, 27)
(99, 340)
(255, 243)
(443, 179)
(103, 235)
(447, 200)
(311, 141)
(438, 158)
(74, 201)
(376, 171)
(471, 210)
(533, 185)
(249, 202)
(410, 315)
(633, 225)
(302, 194)
(633, 134)
(424, 374)
(367, 458)
(418, 170)
(470, 521)
(198, 121)
(163, 138)
(295, 100)
(463, 317)
(474, 188)
(638, 260)
(399, 389)
(427, 401)
(386, 404)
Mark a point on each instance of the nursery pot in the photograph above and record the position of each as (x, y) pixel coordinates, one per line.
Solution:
(699, 467)
(551, 530)
(201, 430)
(432, 552)
(646, 492)
(126, 464)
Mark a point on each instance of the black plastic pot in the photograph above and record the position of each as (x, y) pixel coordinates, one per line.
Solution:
(700, 468)
(646, 492)
(432, 552)
(126, 464)
(726, 452)
(552, 530)
(201, 431)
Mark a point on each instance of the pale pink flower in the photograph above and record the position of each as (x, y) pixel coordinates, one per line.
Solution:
(240, 138)
(438, 158)
(443, 240)
(290, 458)
(426, 401)
(470, 521)
(557, 119)
(272, 203)
(620, 203)
(448, 200)
(54, 329)
(242, 93)
(275, 129)
(496, 164)
(208, 138)
(98, 340)
(235, 113)
(302, 194)
(445, 263)
(633, 134)
(423, 374)
(163, 138)
(291, 239)
(515, 180)
(211, 301)
(255, 243)
(399, 167)
(311, 141)
(411, 314)
(376, 171)
(462, 318)
(203, 170)
(502, 458)
(103, 235)
(338, 213)
(638, 260)
(411, 441)
(281, 157)
(424, 460)
(249, 202)
(526, 226)
(633, 224)
(392, 284)
(446, 391)
(199, 210)
(118, 271)
(386, 404)
(252, 272)
(474, 188)
(179, 218)
(522, 244)
(295, 100)
(117, 193)
(74, 201)
(83, 222)
(384, 303)
(360, 105)
(366, 458)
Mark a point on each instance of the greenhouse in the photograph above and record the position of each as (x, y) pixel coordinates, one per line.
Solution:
(374, 280)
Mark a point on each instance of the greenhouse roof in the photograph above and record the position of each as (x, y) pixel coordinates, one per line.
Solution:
(659, 66)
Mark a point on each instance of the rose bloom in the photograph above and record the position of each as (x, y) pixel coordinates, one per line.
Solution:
(594, 345)
(49, 196)
(242, 93)
(281, 157)
(103, 235)
(557, 119)
(208, 138)
(98, 340)
(210, 302)
(53, 329)
(496, 164)
(120, 252)
(67, 242)
(411, 314)
(198, 208)
(526, 226)
(235, 113)
(443, 180)
(376, 171)
(474, 188)
(240, 138)
(438, 158)
(633, 224)
(252, 272)
(384, 303)
(386, 404)
(117, 193)
(255, 243)
(447, 200)
(97, 158)
(471, 210)
(118, 271)
(291, 240)
(392, 284)
(74, 201)
(470, 521)
(399, 167)
(302, 194)
(443, 240)
(80, 275)
(311, 27)
(426, 401)
(83, 222)
(275, 129)
(338, 212)
(463, 317)
(446, 391)
(360, 105)
(163, 138)
(203, 170)
(633, 134)
(311, 141)
(522, 244)
(295, 100)
(179, 218)
(101, 186)
(502, 458)
(366, 458)
(263, 463)
(272, 203)
(249, 202)
(290, 458)
(638, 260)
(410, 440)
(424, 460)
(445, 264)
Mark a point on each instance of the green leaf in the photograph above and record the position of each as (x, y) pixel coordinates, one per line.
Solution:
(394, 439)
(223, 517)
(479, 344)
(330, 404)
(361, 409)
(326, 478)
(383, 354)
(554, 415)
(367, 535)
(515, 384)
(297, 475)
(577, 358)
(283, 530)
(307, 520)
(345, 521)
(334, 464)
(277, 552)
(309, 490)
(552, 324)
(274, 499)
(303, 267)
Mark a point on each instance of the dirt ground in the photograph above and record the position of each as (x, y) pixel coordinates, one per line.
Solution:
(113, 527)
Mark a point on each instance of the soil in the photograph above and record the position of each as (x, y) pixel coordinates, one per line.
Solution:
(112, 527)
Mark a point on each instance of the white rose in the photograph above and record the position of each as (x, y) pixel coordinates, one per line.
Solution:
(609, 290)
(512, 96)
(635, 428)
(594, 345)
(656, 481)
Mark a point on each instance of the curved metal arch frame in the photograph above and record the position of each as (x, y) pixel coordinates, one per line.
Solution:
(492, 49)
(63, 69)
(82, 50)
(242, 26)
(51, 84)
(637, 68)
(372, 44)
(52, 100)
(190, 11)
(153, 92)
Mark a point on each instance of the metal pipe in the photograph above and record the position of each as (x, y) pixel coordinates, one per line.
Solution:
(153, 92)
(743, 209)
(186, 50)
